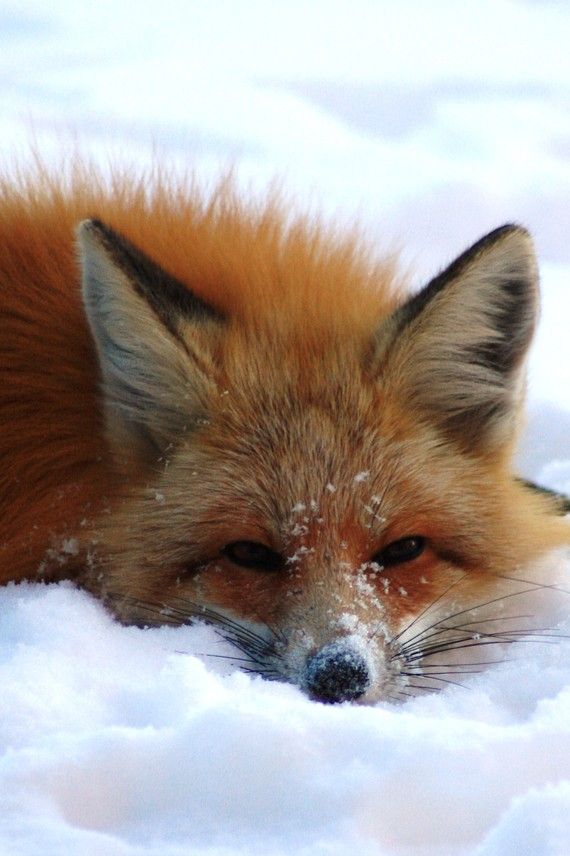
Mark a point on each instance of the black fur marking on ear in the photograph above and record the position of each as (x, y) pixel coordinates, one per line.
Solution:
(458, 267)
(562, 501)
(169, 298)
(513, 314)
(412, 308)
(514, 322)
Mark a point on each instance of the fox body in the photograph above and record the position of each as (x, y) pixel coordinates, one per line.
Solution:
(221, 412)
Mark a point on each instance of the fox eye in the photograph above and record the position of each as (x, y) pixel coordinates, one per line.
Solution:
(252, 554)
(400, 551)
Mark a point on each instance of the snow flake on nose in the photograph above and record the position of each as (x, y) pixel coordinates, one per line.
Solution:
(298, 508)
(304, 514)
(299, 553)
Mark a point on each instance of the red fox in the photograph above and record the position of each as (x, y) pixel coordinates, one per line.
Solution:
(221, 412)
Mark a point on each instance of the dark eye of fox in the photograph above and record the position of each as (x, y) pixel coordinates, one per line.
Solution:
(403, 550)
(252, 554)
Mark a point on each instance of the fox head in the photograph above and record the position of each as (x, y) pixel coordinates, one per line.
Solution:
(333, 495)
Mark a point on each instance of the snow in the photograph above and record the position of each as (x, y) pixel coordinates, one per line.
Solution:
(117, 740)
(431, 124)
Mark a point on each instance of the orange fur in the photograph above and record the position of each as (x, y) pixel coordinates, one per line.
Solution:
(295, 399)
(54, 459)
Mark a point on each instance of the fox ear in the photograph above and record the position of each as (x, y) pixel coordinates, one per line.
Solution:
(155, 341)
(457, 348)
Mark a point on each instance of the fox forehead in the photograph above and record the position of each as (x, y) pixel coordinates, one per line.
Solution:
(290, 476)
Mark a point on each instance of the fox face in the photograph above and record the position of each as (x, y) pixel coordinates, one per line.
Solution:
(336, 498)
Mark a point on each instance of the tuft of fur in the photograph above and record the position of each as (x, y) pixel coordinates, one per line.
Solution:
(196, 373)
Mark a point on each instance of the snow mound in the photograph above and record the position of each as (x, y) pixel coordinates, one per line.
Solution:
(119, 740)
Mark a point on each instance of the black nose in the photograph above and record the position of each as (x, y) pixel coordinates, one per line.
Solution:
(337, 673)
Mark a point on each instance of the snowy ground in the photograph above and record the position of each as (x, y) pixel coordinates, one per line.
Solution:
(433, 122)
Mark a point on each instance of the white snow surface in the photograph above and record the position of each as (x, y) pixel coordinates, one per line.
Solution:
(431, 123)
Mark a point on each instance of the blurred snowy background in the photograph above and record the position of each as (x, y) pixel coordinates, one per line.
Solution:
(431, 123)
